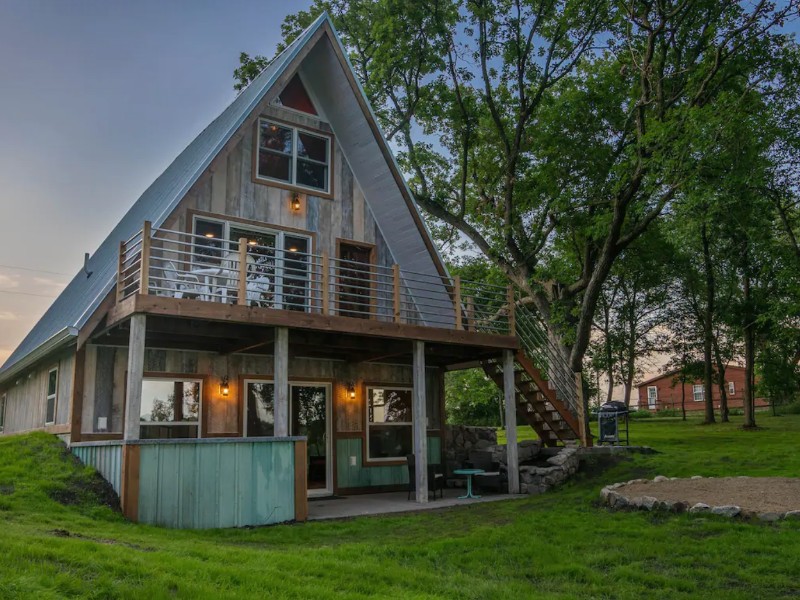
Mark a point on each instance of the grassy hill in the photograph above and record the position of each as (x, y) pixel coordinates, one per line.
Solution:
(60, 536)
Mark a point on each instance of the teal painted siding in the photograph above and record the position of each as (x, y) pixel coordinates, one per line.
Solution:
(107, 459)
(232, 484)
(360, 476)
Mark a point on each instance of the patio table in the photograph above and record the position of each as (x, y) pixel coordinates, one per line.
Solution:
(209, 276)
(469, 473)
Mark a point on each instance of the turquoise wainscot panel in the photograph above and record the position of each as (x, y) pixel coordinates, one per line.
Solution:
(216, 483)
(360, 476)
(105, 457)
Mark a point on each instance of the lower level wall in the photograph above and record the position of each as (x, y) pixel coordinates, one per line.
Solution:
(201, 484)
(360, 476)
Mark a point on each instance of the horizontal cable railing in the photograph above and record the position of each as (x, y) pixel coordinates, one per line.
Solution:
(177, 264)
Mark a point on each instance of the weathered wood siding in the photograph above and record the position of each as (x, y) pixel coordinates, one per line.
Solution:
(223, 416)
(227, 189)
(26, 395)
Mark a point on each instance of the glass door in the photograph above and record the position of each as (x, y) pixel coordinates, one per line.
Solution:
(310, 416)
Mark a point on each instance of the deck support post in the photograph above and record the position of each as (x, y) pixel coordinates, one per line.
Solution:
(133, 397)
(420, 424)
(281, 379)
(510, 394)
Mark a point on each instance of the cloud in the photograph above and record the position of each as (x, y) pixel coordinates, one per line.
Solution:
(7, 315)
(9, 281)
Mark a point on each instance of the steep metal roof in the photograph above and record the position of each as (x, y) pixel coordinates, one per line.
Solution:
(351, 117)
(83, 295)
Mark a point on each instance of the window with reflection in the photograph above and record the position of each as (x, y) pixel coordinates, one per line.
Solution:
(170, 408)
(260, 409)
(293, 156)
(389, 423)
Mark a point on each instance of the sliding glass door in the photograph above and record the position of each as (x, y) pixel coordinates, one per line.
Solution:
(309, 416)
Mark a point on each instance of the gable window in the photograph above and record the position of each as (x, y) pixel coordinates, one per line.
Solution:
(295, 96)
(731, 388)
(699, 392)
(3, 399)
(52, 396)
(293, 156)
(652, 396)
(389, 423)
(170, 408)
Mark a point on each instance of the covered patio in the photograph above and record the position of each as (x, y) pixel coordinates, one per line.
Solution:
(361, 505)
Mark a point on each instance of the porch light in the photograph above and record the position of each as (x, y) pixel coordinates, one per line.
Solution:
(252, 243)
(351, 390)
(224, 388)
(209, 235)
(295, 202)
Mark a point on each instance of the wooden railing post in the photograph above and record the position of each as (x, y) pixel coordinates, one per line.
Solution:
(457, 301)
(241, 296)
(396, 279)
(512, 312)
(470, 313)
(326, 283)
(144, 262)
(121, 272)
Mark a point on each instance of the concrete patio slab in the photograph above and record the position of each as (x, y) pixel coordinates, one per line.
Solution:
(343, 507)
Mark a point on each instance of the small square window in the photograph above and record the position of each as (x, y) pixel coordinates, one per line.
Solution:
(293, 156)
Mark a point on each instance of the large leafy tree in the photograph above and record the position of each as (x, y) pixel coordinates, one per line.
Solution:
(549, 135)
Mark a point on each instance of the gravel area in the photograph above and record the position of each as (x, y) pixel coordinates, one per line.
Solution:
(757, 494)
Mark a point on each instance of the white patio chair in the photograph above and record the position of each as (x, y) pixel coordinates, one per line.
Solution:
(177, 284)
(257, 288)
(229, 273)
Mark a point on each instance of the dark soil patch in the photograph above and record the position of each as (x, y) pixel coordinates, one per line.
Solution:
(63, 533)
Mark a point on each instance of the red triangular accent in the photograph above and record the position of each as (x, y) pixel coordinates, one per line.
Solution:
(295, 96)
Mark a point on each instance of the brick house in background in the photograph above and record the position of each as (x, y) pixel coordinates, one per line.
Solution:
(664, 392)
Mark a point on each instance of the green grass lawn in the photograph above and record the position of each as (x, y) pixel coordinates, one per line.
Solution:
(562, 544)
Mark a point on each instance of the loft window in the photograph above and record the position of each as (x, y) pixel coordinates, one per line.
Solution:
(295, 96)
(52, 396)
(293, 156)
(170, 408)
(389, 423)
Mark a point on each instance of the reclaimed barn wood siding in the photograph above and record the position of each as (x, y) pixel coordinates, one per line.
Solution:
(26, 395)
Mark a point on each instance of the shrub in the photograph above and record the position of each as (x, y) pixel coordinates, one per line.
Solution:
(669, 412)
(790, 409)
(640, 414)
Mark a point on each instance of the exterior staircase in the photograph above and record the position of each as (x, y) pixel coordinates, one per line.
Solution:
(546, 390)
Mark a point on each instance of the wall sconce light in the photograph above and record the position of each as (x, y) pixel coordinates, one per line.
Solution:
(224, 387)
(295, 202)
(351, 390)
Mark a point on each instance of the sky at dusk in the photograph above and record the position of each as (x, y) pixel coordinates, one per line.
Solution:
(96, 98)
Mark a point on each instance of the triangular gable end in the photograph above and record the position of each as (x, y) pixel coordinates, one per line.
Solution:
(295, 96)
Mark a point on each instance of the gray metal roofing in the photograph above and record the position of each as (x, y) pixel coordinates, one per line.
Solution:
(83, 295)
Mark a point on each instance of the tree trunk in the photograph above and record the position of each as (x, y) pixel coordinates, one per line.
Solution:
(749, 360)
(683, 398)
(708, 331)
(723, 391)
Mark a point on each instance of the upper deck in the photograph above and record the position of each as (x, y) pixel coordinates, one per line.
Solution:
(179, 274)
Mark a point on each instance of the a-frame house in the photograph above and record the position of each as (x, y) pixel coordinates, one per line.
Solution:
(271, 320)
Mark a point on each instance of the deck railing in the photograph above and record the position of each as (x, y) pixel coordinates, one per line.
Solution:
(177, 264)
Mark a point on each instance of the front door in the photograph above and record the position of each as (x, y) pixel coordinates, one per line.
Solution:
(355, 288)
(309, 416)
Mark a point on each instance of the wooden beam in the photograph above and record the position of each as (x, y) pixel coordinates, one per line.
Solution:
(300, 481)
(510, 396)
(133, 396)
(457, 301)
(420, 424)
(215, 311)
(396, 283)
(326, 283)
(129, 481)
(281, 379)
(76, 401)
(241, 297)
(144, 268)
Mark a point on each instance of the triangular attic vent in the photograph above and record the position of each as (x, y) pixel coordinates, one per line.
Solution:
(295, 96)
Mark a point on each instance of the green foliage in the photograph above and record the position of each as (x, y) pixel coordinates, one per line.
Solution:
(471, 398)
